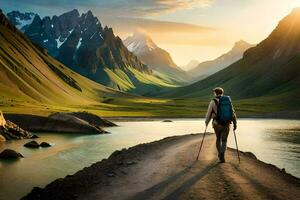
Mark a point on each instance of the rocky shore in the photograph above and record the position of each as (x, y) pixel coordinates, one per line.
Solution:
(9, 130)
(77, 122)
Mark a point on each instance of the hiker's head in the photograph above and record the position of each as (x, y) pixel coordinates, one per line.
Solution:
(218, 91)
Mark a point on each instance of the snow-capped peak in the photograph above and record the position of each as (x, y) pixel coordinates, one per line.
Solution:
(139, 42)
(21, 20)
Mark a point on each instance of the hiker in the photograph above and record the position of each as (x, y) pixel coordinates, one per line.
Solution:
(221, 110)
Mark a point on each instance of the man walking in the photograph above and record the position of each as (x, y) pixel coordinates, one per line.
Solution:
(221, 110)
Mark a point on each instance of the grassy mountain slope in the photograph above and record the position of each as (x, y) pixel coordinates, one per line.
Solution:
(32, 82)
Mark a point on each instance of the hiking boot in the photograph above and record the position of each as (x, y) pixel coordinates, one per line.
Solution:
(222, 158)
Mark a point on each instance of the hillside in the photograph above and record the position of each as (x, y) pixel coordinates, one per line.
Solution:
(268, 72)
(32, 80)
(81, 43)
(207, 68)
(155, 57)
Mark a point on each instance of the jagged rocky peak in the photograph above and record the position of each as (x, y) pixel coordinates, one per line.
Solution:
(21, 20)
(139, 42)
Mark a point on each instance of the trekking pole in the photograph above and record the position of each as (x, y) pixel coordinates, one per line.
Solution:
(237, 148)
(201, 143)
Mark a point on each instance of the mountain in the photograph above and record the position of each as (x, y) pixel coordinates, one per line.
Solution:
(81, 43)
(207, 68)
(30, 77)
(270, 69)
(155, 57)
(191, 65)
(21, 20)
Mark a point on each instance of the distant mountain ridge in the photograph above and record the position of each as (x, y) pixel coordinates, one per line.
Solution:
(208, 68)
(155, 57)
(81, 43)
(191, 65)
(271, 69)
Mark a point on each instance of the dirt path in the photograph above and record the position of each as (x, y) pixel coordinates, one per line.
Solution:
(167, 170)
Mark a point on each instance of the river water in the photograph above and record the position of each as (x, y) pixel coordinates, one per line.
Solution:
(272, 141)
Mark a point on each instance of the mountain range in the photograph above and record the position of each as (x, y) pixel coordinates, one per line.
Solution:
(207, 68)
(155, 57)
(271, 70)
(267, 75)
(28, 74)
(81, 43)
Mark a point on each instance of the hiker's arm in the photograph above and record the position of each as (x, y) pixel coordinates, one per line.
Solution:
(209, 113)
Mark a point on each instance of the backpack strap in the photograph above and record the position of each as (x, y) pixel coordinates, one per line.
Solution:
(217, 105)
(217, 102)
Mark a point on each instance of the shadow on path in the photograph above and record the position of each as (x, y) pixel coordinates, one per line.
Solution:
(149, 193)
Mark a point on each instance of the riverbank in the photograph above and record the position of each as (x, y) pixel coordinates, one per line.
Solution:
(166, 169)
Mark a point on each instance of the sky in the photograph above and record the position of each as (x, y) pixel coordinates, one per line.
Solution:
(188, 29)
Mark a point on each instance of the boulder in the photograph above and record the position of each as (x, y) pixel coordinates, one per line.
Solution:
(10, 154)
(32, 144)
(58, 123)
(93, 119)
(45, 144)
(63, 122)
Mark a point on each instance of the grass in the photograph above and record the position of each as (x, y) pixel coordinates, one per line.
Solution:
(145, 107)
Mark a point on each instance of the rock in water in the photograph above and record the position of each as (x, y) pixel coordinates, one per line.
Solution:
(167, 120)
(32, 144)
(60, 123)
(10, 154)
(45, 144)
(9, 130)
(34, 137)
(93, 119)
(63, 122)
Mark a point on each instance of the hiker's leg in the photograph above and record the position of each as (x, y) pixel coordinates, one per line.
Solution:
(218, 138)
(224, 137)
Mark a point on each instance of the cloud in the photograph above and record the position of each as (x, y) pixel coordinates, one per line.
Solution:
(129, 25)
(133, 8)
(158, 7)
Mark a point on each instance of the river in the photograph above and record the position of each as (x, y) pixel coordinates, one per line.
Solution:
(271, 140)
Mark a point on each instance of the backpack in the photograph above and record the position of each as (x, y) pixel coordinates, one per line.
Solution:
(224, 110)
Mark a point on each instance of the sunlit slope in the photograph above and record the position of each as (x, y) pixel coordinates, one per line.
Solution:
(28, 73)
(271, 69)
